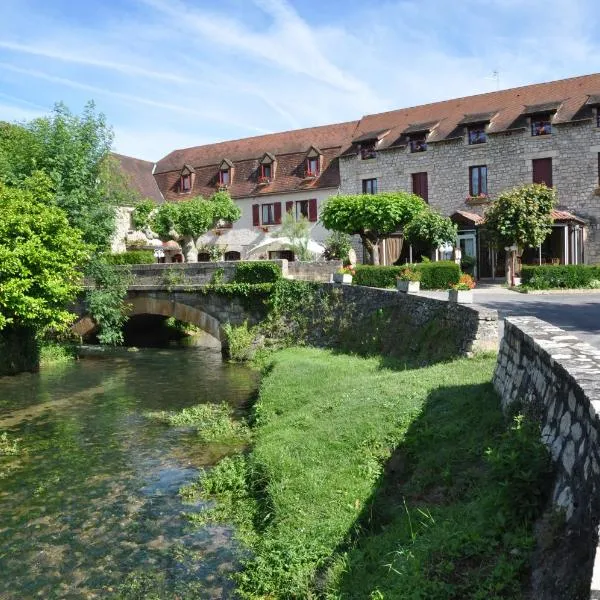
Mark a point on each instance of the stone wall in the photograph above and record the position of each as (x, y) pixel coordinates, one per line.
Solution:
(556, 379)
(573, 147)
(313, 271)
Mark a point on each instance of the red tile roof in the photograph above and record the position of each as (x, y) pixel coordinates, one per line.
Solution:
(564, 215)
(140, 176)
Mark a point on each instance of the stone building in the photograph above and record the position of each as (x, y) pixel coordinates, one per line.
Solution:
(459, 154)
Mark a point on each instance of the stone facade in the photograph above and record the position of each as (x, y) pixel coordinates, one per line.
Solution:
(556, 378)
(573, 147)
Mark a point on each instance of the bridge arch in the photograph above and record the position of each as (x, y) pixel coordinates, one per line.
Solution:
(146, 305)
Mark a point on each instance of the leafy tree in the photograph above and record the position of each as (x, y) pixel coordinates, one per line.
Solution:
(298, 233)
(520, 218)
(373, 217)
(141, 213)
(73, 151)
(338, 246)
(186, 221)
(431, 228)
(40, 257)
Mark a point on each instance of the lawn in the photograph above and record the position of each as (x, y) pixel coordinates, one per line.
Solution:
(388, 483)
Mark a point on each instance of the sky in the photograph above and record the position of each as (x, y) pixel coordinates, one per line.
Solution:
(171, 74)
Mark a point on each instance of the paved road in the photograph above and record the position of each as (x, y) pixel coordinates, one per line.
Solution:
(576, 313)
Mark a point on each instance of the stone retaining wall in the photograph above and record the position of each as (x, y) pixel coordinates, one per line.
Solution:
(556, 378)
(313, 271)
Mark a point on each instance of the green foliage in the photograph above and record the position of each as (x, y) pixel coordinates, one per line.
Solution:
(40, 254)
(8, 447)
(172, 277)
(431, 228)
(73, 151)
(106, 299)
(132, 257)
(141, 213)
(521, 216)
(546, 277)
(213, 422)
(298, 231)
(165, 220)
(19, 350)
(434, 275)
(240, 341)
(55, 353)
(338, 246)
(371, 216)
(257, 272)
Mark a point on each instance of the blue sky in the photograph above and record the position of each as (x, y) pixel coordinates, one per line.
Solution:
(175, 73)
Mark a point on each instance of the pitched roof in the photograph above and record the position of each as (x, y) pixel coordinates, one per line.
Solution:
(140, 176)
(569, 96)
(287, 142)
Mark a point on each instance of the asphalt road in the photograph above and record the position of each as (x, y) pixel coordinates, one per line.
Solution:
(576, 313)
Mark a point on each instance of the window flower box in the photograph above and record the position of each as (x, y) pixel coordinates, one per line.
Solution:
(222, 187)
(479, 199)
(264, 180)
(310, 175)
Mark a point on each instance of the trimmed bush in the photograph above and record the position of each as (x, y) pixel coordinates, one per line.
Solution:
(257, 272)
(546, 277)
(434, 275)
(132, 257)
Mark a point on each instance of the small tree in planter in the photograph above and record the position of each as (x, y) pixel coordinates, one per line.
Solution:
(344, 275)
(431, 228)
(462, 292)
(408, 281)
(521, 218)
(373, 217)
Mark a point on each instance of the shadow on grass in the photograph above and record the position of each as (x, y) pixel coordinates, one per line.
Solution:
(447, 519)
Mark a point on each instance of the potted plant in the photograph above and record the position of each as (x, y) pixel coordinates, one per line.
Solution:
(344, 275)
(262, 180)
(462, 292)
(409, 281)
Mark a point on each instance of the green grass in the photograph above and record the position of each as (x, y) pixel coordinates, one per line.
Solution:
(213, 422)
(55, 353)
(370, 482)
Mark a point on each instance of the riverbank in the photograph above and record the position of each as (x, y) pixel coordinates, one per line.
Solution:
(368, 480)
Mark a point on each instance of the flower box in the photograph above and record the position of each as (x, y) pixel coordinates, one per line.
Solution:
(342, 278)
(460, 296)
(408, 287)
(309, 175)
(475, 200)
(264, 180)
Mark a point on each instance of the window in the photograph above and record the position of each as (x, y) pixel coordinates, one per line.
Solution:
(301, 209)
(478, 181)
(186, 182)
(232, 255)
(477, 135)
(268, 214)
(418, 143)
(312, 167)
(542, 171)
(265, 171)
(369, 186)
(224, 177)
(203, 257)
(367, 150)
(541, 125)
(420, 185)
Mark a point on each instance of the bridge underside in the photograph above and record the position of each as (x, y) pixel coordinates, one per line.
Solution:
(145, 305)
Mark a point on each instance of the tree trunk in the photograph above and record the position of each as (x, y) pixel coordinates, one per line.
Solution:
(510, 267)
(373, 247)
(190, 252)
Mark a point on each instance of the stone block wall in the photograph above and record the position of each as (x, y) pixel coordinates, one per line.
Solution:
(556, 378)
(313, 271)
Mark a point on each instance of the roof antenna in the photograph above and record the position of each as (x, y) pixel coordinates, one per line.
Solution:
(496, 77)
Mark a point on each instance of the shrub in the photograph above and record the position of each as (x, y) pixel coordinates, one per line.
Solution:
(240, 341)
(434, 275)
(546, 277)
(131, 257)
(257, 272)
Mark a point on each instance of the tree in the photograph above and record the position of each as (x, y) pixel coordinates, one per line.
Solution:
(41, 255)
(338, 246)
(431, 228)
(298, 233)
(186, 221)
(373, 217)
(73, 151)
(520, 218)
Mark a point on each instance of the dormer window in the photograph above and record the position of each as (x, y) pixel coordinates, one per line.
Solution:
(225, 173)
(266, 168)
(186, 179)
(418, 142)
(312, 167)
(541, 124)
(186, 182)
(368, 149)
(477, 134)
(224, 177)
(265, 171)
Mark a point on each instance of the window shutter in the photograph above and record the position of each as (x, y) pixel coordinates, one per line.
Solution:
(420, 185)
(255, 215)
(277, 211)
(542, 171)
(289, 207)
(312, 210)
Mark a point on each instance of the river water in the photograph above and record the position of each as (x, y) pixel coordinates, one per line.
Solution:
(89, 505)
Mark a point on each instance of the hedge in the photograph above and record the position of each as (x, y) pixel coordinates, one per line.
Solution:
(132, 257)
(257, 272)
(434, 275)
(546, 277)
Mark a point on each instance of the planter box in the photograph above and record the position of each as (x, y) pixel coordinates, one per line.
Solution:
(408, 287)
(460, 296)
(342, 278)
(517, 281)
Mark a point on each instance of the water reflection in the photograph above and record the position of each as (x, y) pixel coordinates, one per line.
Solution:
(92, 495)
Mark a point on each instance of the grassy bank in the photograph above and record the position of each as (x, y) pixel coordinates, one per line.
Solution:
(56, 353)
(371, 482)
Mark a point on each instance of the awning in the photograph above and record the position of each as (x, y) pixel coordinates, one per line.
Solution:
(476, 220)
(284, 243)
